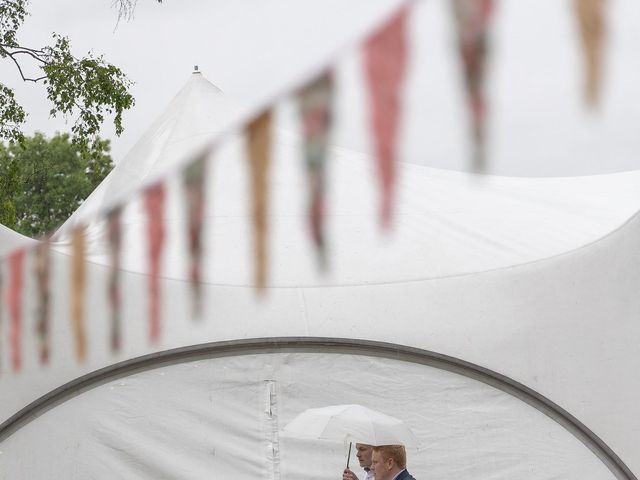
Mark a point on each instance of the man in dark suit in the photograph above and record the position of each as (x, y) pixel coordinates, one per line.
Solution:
(389, 462)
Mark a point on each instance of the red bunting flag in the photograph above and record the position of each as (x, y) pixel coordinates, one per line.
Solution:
(42, 272)
(193, 179)
(472, 22)
(591, 22)
(385, 62)
(78, 287)
(315, 102)
(114, 236)
(154, 198)
(14, 305)
(259, 138)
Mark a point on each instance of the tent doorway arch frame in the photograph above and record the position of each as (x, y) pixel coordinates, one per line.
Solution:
(320, 345)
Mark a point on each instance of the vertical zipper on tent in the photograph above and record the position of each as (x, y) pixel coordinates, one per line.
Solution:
(270, 428)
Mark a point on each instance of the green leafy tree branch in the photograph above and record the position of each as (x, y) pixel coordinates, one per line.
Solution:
(85, 89)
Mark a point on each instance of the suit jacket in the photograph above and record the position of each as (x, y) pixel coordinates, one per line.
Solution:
(404, 475)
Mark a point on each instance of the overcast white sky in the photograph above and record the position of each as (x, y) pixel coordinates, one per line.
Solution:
(253, 48)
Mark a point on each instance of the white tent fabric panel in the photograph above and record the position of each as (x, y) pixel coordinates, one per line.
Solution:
(565, 327)
(447, 223)
(223, 417)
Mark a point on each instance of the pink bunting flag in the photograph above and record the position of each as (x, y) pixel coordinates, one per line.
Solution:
(114, 236)
(472, 22)
(259, 138)
(14, 306)
(78, 288)
(154, 198)
(315, 102)
(42, 272)
(591, 22)
(385, 65)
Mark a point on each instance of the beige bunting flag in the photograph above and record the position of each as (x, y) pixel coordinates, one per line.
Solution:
(259, 150)
(591, 23)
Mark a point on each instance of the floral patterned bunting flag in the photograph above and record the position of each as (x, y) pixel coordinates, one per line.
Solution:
(472, 21)
(315, 108)
(14, 306)
(591, 21)
(42, 271)
(193, 179)
(78, 287)
(259, 138)
(154, 198)
(114, 236)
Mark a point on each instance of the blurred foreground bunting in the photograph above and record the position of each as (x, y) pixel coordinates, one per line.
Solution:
(385, 65)
(14, 304)
(315, 102)
(259, 138)
(194, 176)
(154, 198)
(472, 21)
(42, 271)
(114, 236)
(591, 22)
(78, 287)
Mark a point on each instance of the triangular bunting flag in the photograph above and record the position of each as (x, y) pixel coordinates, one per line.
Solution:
(316, 111)
(194, 176)
(154, 198)
(114, 236)
(14, 306)
(385, 62)
(591, 21)
(472, 22)
(78, 287)
(259, 138)
(42, 271)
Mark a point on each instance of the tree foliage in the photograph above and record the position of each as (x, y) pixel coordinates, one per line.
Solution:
(85, 89)
(42, 182)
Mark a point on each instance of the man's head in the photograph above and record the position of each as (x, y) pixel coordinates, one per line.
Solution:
(387, 461)
(363, 452)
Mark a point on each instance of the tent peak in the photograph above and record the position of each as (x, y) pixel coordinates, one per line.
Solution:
(195, 70)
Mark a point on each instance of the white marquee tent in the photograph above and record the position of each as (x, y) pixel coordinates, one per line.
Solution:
(499, 320)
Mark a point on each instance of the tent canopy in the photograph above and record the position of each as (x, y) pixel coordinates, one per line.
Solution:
(519, 296)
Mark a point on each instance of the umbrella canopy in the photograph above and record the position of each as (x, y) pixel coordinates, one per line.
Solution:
(353, 423)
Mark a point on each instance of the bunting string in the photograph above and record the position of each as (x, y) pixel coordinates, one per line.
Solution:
(591, 22)
(114, 235)
(42, 273)
(259, 138)
(194, 176)
(78, 286)
(472, 22)
(154, 202)
(385, 65)
(315, 103)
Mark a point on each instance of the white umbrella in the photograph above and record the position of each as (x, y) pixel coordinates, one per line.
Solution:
(352, 423)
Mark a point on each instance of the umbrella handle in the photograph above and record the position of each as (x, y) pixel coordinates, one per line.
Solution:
(349, 455)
